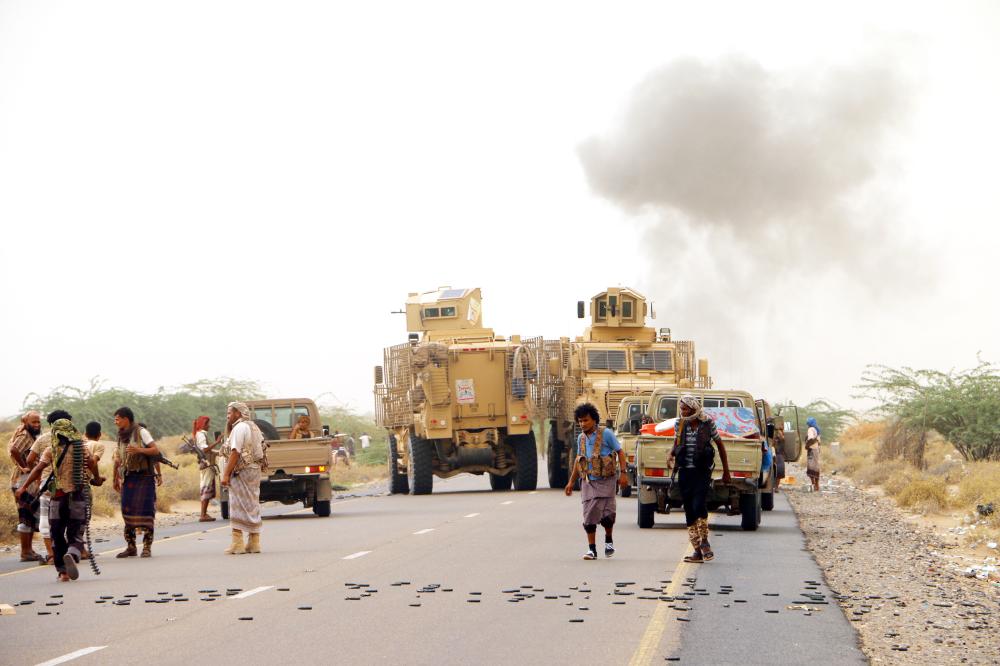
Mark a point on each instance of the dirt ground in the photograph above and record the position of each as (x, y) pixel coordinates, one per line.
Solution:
(907, 584)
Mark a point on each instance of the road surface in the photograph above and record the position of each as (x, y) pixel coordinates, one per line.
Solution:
(433, 580)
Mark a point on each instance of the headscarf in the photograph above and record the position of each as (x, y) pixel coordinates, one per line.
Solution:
(695, 404)
(64, 428)
(200, 423)
(811, 422)
(241, 407)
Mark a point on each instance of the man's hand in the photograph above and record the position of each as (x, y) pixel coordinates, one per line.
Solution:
(726, 479)
(159, 480)
(132, 448)
(24, 470)
(569, 489)
(117, 484)
(225, 480)
(623, 480)
(18, 493)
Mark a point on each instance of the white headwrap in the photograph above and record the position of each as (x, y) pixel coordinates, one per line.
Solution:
(241, 407)
(695, 404)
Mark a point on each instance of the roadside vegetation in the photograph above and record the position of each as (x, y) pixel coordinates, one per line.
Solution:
(933, 444)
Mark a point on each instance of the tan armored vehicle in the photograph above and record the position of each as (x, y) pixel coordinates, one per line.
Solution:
(617, 356)
(298, 469)
(456, 397)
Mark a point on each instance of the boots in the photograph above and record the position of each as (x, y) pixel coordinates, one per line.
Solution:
(253, 544)
(130, 550)
(237, 547)
(147, 544)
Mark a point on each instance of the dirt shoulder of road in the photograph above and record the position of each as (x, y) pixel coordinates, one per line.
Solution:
(904, 586)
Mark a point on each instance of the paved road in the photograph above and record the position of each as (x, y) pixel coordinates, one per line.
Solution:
(463, 539)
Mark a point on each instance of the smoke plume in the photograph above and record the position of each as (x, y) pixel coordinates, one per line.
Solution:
(757, 189)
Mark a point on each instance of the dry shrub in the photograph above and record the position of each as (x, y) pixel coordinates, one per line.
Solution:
(898, 480)
(923, 493)
(900, 441)
(876, 474)
(356, 474)
(865, 434)
(980, 485)
(949, 471)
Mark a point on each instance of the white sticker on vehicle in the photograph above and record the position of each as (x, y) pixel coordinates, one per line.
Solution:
(466, 391)
(473, 310)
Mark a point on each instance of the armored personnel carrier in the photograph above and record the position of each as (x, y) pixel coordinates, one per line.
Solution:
(455, 398)
(619, 355)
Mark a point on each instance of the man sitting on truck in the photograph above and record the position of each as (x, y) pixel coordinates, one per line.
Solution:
(301, 429)
(597, 448)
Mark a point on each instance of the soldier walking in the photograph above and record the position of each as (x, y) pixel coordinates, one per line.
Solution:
(597, 448)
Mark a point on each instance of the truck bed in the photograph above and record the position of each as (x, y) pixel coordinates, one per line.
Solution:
(293, 456)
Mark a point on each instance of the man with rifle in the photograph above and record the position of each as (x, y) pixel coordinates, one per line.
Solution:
(137, 474)
(204, 449)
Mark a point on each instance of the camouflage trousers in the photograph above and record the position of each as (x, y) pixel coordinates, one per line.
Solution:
(698, 533)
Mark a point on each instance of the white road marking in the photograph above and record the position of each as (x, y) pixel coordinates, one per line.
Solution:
(244, 595)
(353, 556)
(429, 529)
(72, 655)
(508, 502)
(533, 492)
(472, 515)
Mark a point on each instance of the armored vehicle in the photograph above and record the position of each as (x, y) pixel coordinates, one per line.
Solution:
(617, 356)
(742, 423)
(298, 469)
(456, 397)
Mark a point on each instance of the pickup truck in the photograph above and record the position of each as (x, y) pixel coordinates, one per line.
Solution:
(741, 422)
(631, 411)
(298, 469)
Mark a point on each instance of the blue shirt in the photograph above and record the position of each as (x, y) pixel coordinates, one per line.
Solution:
(609, 444)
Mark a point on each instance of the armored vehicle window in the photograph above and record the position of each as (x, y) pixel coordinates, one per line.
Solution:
(626, 309)
(431, 313)
(660, 359)
(450, 311)
(667, 408)
(606, 359)
(602, 310)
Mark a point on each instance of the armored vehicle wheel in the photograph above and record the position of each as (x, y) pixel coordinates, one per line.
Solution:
(399, 484)
(498, 482)
(526, 475)
(558, 476)
(322, 508)
(224, 510)
(420, 470)
(267, 429)
(750, 511)
(647, 515)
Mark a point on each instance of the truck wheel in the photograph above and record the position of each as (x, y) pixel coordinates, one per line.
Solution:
(750, 511)
(647, 515)
(322, 508)
(224, 509)
(558, 476)
(266, 429)
(498, 482)
(399, 484)
(420, 471)
(526, 474)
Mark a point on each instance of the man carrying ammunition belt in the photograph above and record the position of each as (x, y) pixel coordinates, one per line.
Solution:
(597, 448)
(71, 463)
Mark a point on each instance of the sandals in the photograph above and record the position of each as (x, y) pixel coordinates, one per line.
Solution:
(706, 552)
(33, 557)
(695, 557)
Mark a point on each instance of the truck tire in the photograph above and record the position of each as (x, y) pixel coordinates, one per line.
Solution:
(526, 474)
(322, 508)
(498, 482)
(558, 476)
(266, 429)
(399, 484)
(420, 471)
(647, 515)
(224, 509)
(750, 511)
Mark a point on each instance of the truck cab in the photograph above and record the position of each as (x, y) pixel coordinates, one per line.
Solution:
(742, 424)
(298, 469)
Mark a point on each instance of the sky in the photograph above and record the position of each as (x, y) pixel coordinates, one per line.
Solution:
(249, 189)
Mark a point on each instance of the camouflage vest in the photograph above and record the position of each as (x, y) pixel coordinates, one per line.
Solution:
(133, 463)
(597, 465)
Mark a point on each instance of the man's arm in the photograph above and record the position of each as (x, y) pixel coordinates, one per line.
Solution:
(725, 460)
(35, 474)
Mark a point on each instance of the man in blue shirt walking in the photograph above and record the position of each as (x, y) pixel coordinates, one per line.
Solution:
(597, 449)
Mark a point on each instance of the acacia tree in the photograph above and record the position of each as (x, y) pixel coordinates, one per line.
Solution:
(962, 406)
